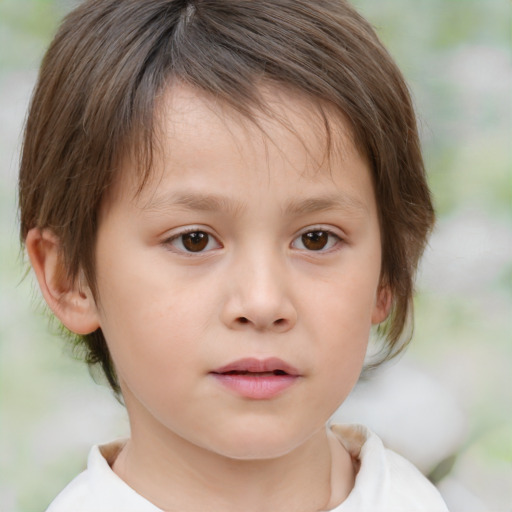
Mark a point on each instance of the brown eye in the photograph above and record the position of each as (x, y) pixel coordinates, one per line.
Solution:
(196, 241)
(315, 240)
(319, 240)
(192, 242)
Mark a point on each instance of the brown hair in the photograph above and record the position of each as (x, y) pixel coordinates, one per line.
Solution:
(95, 96)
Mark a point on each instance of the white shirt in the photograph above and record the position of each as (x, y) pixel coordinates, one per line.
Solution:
(385, 482)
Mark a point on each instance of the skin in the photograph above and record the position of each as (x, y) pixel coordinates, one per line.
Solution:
(171, 316)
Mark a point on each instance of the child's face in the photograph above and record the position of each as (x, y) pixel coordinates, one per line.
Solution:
(240, 255)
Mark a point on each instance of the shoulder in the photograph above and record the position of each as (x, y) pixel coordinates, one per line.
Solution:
(386, 482)
(99, 489)
(74, 496)
(409, 489)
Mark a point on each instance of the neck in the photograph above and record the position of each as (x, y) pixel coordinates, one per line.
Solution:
(176, 475)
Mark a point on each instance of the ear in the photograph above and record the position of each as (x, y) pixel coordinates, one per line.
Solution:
(383, 302)
(71, 303)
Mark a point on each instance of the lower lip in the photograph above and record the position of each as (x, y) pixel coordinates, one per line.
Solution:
(256, 387)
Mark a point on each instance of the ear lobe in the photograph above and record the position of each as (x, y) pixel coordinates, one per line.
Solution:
(72, 304)
(383, 303)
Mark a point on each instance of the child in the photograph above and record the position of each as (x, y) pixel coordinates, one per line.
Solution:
(221, 198)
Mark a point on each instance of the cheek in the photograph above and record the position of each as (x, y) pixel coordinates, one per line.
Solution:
(342, 307)
(339, 314)
(153, 325)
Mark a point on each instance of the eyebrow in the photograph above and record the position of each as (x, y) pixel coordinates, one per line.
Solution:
(218, 203)
(194, 202)
(343, 202)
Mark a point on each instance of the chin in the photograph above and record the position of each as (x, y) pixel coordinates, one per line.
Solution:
(260, 444)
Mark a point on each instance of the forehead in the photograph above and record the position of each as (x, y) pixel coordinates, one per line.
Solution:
(288, 127)
(282, 115)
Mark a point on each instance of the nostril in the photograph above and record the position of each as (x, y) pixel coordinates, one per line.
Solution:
(280, 323)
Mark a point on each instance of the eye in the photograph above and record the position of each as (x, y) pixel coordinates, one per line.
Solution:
(193, 241)
(316, 240)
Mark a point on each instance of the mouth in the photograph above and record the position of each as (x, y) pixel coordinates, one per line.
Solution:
(256, 374)
(256, 379)
(252, 366)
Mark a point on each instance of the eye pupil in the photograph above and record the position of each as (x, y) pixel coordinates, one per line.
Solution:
(196, 241)
(315, 240)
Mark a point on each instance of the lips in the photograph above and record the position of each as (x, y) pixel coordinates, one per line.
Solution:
(272, 365)
(257, 379)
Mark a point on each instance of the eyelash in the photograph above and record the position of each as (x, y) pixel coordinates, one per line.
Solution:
(333, 240)
(183, 250)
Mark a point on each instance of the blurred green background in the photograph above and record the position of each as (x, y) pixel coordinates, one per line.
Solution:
(456, 56)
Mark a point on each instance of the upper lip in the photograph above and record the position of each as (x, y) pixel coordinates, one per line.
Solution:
(254, 365)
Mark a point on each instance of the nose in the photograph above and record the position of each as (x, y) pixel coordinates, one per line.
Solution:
(259, 296)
